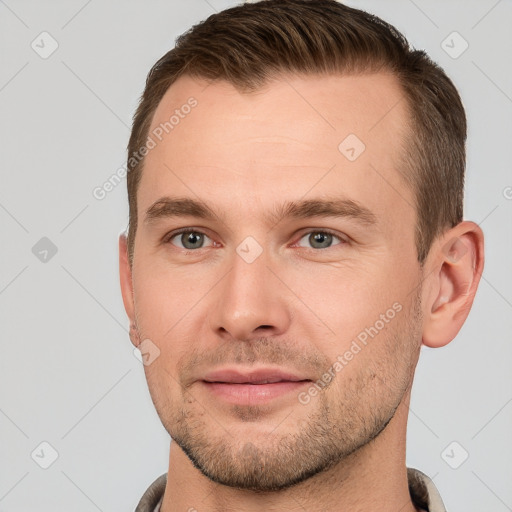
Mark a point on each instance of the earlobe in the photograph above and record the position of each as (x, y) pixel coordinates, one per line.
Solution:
(457, 264)
(125, 276)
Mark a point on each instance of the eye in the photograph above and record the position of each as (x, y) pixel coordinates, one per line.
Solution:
(320, 239)
(191, 239)
(188, 239)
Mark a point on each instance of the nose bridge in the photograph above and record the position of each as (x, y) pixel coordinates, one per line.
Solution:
(249, 297)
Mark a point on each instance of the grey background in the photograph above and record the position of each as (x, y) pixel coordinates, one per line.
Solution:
(68, 375)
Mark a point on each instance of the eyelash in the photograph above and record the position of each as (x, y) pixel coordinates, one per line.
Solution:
(167, 239)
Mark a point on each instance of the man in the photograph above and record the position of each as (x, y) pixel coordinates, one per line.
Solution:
(295, 187)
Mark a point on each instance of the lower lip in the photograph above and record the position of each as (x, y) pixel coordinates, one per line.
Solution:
(253, 394)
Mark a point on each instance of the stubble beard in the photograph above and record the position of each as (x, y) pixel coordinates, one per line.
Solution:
(338, 422)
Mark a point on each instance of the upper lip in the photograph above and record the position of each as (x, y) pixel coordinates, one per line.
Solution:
(258, 376)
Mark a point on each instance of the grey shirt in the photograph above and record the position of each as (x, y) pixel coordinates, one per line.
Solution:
(424, 494)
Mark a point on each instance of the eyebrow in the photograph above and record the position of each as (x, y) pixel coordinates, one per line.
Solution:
(168, 207)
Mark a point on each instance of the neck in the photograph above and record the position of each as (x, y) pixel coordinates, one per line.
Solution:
(372, 478)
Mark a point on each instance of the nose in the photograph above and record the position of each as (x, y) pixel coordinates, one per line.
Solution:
(250, 302)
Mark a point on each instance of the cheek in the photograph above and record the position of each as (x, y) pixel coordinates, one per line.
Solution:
(368, 314)
(170, 307)
(377, 362)
(164, 297)
(346, 298)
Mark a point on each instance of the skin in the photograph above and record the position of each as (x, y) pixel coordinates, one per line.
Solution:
(296, 306)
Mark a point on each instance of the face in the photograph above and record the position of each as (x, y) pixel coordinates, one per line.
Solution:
(275, 271)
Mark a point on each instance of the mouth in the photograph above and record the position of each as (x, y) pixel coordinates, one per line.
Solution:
(258, 376)
(252, 387)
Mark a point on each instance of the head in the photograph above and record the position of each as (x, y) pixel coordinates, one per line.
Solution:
(317, 164)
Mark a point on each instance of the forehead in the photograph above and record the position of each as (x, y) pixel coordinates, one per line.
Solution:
(331, 104)
(331, 133)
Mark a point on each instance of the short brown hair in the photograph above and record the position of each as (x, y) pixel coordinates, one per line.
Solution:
(251, 43)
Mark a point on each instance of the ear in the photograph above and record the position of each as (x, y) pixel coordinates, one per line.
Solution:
(455, 266)
(125, 275)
